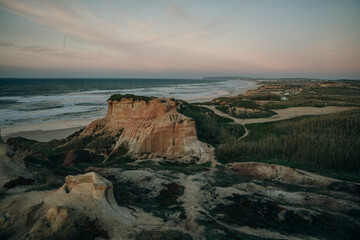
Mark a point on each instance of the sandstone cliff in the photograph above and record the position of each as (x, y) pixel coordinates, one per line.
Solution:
(11, 164)
(150, 128)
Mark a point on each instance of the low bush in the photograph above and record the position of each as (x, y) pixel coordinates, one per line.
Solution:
(211, 128)
(325, 142)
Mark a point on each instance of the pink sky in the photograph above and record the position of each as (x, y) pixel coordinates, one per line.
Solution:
(179, 38)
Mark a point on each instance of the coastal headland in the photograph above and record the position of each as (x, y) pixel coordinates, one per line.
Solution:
(263, 164)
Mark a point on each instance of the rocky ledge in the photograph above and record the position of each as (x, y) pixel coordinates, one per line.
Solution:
(150, 128)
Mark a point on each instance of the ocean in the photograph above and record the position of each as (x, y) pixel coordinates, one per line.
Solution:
(24, 101)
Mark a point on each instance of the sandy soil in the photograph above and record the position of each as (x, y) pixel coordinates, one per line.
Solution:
(293, 112)
(283, 114)
(253, 85)
(44, 136)
(45, 131)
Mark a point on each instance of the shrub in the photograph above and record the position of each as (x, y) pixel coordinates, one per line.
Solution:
(325, 142)
(20, 181)
(170, 195)
(118, 97)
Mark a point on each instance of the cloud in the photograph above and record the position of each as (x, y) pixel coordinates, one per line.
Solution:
(179, 12)
(127, 43)
(27, 48)
(81, 24)
(122, 37)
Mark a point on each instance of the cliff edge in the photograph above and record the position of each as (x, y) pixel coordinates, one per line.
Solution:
(149, 127)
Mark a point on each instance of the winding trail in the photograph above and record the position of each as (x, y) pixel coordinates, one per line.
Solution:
(191, 196)
(282, 114)
(236, 120)
(192, 205)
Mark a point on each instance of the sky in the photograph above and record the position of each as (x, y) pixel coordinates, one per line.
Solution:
(180, 39)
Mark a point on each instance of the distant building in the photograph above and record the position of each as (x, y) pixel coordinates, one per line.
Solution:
(284, 98)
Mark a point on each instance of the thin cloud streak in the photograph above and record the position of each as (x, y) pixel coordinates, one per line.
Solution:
(84, 25)
(88, 27)
(166, 37)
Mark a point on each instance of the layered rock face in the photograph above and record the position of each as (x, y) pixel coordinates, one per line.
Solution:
(11, 164)
(150, 128)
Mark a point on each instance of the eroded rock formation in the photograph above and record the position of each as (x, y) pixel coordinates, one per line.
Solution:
(90, 184)
(150, 128)
(278, 173)
(11, 165)
(84, 207)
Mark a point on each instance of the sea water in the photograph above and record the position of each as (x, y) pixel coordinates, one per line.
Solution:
(25, 101)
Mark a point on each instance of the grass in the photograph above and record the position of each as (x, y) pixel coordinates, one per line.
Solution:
(119, 97)
(245, 114)
(165, 205)
(211, 128)
(256, 212)
(163, 234)
(187, 169)
(316, 96)
(73, 151)
(325, 144)
(265, 97)
(244, 108)
(224, 178)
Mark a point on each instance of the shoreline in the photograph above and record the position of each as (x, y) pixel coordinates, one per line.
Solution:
(46, 131)
(252, 86)
(44, 135)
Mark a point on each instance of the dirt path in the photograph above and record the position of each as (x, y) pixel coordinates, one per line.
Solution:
(191, 205)
(282, 114)
(236, 120)
(293, 112)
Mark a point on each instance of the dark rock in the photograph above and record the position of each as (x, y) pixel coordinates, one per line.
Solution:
(18, 181)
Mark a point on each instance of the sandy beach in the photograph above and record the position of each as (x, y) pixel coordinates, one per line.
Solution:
(235, 92)
(46, 131)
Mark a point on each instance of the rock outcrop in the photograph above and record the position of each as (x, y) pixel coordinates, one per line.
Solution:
(11, 165)
(90, 184)
(150, 128)
(57, 216)
(85, 204)
(278, 173)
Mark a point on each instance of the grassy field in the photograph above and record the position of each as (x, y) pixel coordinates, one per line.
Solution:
(210, 127)
(329, 144)
(244, 107)
(320, 96)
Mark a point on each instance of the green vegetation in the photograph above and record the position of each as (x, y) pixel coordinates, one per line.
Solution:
(165, 205)
(238, 101)
(118, 97)
(72, 151)
(327, 145)
(264, 97)
(52, 161)
(163, 235)
(328, 142)
(169, 196)
(321, 96)
(83, 228)
(231, 110)
(225, 178)
(210, 127)
(214, 230)
(244, 107)
(173, 167)
(257, 212)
